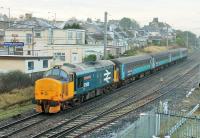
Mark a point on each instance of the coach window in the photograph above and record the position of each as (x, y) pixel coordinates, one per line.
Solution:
(80, 82)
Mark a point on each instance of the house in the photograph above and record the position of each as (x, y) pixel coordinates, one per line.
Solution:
(73, 53)
(65, 45)
(68, 37)
(25, 35)
(33, 32)
(158, 31)
(116, 42)
(26, 64)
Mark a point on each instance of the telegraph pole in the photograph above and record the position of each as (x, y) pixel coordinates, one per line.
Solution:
(33, 42)
(55, 18)
(187, 40)
(167, 36)
(105, 35)
(9, 17)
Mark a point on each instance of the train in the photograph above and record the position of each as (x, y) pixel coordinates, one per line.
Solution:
(70, 84)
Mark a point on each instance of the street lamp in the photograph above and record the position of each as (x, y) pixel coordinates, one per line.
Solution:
(8, 15)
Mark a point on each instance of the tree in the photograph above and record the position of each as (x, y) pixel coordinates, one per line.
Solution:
(73, 26)
(89, 20)
(89, 58)
(110, 56)
(127, 23)
(181, 38)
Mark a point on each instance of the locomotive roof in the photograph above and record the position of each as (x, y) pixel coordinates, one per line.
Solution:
(126, 60)
(86, 66)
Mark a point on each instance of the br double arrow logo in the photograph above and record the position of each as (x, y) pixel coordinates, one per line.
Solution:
(107, 76)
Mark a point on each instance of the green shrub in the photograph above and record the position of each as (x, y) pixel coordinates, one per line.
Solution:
(110, 56)
(90, 58)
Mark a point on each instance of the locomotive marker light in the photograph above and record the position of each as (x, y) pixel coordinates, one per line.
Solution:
(107, 76)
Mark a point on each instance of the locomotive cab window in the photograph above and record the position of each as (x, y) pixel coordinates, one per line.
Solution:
(80, 82)
(57, 74)
(63, 74)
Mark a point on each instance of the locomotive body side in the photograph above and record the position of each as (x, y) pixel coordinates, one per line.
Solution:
(92, 79)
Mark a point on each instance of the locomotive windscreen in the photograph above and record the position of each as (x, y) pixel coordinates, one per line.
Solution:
(57, 74)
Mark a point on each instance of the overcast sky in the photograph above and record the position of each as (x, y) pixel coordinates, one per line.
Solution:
(181, 14)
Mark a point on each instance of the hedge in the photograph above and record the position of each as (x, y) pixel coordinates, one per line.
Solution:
(14, 80)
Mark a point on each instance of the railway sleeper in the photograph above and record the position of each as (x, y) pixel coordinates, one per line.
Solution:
(69, 126)
(69, 136)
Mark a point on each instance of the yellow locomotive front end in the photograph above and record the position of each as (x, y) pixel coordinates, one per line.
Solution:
(53, 91)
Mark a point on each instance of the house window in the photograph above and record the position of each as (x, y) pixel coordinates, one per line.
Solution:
(45, 63)
(38, 35)
(28, 52)
(30, 65)
(50, 36)
(79, 35)
(70, 35)
(28, 38)
(59, 56)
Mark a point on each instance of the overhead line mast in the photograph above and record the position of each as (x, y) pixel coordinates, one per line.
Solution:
(105, 34)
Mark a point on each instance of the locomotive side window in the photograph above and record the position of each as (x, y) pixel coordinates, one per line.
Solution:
(71, 77)
(80, 82)
(48, 73)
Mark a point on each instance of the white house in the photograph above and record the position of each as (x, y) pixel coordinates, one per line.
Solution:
(25, 64)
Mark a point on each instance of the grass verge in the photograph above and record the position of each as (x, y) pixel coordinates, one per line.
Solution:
(15, 102)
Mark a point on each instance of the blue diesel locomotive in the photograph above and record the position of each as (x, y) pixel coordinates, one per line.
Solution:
(65, 85)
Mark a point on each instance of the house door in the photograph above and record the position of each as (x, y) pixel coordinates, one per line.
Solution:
(74, 58)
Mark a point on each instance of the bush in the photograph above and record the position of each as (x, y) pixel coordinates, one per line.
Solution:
(110, 56)
(131, 52)
(14, 80)
(73, 26)
(90, 58)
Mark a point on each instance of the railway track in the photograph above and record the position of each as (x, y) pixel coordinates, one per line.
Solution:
(117, 112)
(88, 111)
(68, 126)
(19, 125)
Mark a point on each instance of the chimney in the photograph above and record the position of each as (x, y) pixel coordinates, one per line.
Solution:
(28, 15)
(155, 20)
